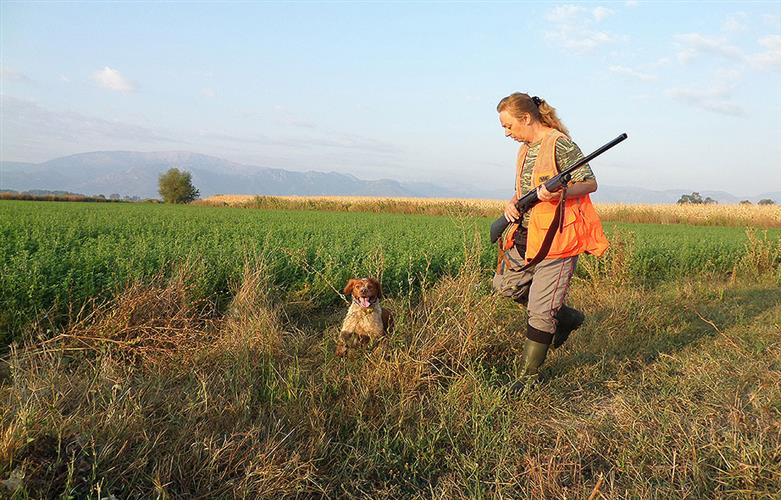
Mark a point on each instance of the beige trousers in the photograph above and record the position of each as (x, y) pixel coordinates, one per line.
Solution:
(542, 288)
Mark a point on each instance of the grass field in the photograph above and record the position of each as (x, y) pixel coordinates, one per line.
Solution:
(55, 257)
(202, 361)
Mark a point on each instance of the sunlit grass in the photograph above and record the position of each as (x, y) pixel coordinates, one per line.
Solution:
(194, 357)
(665, 392)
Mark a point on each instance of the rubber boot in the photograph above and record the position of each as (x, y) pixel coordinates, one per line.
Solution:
(568, 319)
(533, 357)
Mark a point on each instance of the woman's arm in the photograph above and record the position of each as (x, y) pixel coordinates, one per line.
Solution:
(577, 189)
(583, 180)
(581, 188)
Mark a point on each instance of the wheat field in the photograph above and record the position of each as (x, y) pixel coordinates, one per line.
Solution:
(707, 215)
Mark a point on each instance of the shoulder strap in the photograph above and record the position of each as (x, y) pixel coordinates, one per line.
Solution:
(555, 225)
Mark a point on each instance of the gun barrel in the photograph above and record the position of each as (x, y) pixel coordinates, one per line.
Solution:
(594, 154)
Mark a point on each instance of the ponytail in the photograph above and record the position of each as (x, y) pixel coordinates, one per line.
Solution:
(539, 109)
(549, 117)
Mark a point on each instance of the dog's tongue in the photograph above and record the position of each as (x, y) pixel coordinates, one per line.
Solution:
(364, 302)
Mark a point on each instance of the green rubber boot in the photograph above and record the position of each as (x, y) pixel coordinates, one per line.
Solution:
(533, 357)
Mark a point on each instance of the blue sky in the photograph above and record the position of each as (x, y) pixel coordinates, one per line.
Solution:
(401, 90)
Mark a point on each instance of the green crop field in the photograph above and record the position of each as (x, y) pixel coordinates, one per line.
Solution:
(57, 256)
(153, 351)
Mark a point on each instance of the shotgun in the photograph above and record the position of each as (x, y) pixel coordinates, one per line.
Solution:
(527, 201)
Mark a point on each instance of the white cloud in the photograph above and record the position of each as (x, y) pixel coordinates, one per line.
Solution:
(631, 3)
(70, 125)
(771, 20)
(12, 75)
(572, 27)
(686, 55)
(296, 122)
(662, 61)
(565, 13)
(771, 57)
(695, 43)
(30, 130)
(716, 96)
(727, 75)
(708, 100)
(585, 41)
(623, 70)
(600, 13)
(208, 92)
(328, 140)
(113, 80)
(735, 23)
(64, 79)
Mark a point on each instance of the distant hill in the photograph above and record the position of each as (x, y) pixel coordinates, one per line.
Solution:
(136, 174)
(131, 173)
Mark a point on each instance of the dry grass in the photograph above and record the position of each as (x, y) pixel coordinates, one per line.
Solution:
(707, 215)
(666, 392)
(146, 323)
(239, 199)
(429, 206)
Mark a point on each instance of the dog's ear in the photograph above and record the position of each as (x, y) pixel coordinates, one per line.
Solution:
(348, 288)
(377, 287)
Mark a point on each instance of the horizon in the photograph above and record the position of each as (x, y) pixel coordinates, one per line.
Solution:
(403, 91)
(681, 191)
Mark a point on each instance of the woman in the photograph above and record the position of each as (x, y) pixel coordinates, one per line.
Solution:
(545, 150)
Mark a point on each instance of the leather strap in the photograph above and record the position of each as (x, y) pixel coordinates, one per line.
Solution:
(556, 224)
(561, 207)
(501, 262)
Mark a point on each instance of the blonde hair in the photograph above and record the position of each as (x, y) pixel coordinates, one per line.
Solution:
(519, 103)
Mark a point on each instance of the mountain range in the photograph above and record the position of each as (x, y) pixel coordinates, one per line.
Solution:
(135, 174)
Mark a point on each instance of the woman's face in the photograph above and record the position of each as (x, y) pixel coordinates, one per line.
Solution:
(517, 129)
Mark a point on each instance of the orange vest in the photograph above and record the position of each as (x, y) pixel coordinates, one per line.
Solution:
(582, 231)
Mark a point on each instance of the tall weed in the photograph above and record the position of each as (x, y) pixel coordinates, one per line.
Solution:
(761, 258)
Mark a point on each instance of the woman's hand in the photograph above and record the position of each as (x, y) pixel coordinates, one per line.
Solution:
(511, 214)
(544, 195)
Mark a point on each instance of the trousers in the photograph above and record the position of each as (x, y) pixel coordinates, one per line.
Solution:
(541, 288)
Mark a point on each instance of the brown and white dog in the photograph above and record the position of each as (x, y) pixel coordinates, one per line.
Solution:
(366, 320)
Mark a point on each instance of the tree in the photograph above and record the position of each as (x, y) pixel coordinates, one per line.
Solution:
(176, 186)
(766, 201)
(694, 198)
(745, 202)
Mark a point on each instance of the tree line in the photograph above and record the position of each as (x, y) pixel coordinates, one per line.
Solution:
(696, 199)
